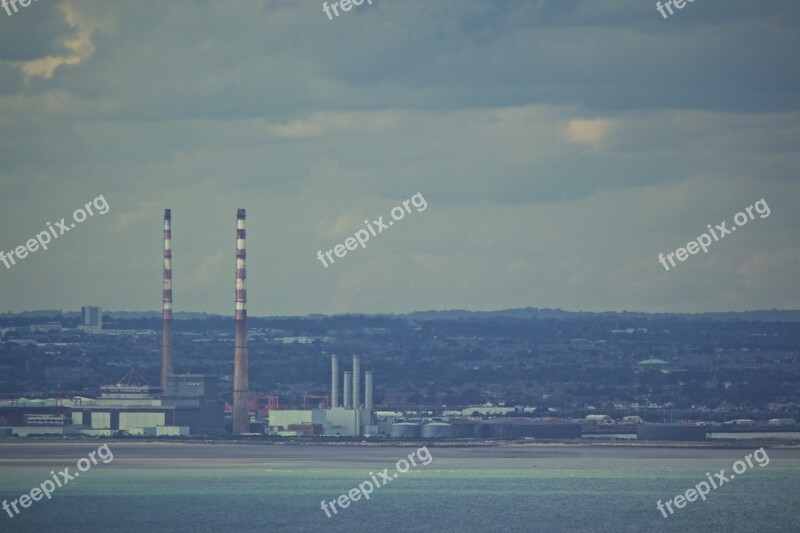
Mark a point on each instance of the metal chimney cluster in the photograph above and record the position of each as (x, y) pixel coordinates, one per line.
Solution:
(241, 416)
(352, 386)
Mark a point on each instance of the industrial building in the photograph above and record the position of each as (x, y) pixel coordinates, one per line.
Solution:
(511, 428)
(183, 404)
(39, 423)
(672, 432)
(190, 405)
(347, 417)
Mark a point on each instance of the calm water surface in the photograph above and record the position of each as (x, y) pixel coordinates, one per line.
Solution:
(214, 488)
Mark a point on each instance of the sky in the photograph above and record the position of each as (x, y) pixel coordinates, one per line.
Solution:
(560, 147)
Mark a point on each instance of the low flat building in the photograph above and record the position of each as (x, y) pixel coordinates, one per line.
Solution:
(190, 400)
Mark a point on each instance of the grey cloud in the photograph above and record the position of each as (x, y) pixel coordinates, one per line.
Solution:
(560, 145)
(34, 32)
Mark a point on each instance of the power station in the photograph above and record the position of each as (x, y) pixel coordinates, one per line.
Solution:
(187, 404)
(349, 418)
(176, 389)
(170, 382)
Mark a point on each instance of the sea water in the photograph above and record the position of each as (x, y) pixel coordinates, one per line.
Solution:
(217, 488)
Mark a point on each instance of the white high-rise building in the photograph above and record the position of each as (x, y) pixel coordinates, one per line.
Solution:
(92, 319)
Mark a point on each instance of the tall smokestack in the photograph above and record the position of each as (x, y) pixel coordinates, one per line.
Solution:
(356, 382)
(368, 391)
(348, 403)
(166, 335)
(241, 417)
(357, 392)
(335, 381)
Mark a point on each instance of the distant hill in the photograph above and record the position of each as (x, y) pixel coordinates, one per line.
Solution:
(530, 312)
(178, 315)
(773, 315)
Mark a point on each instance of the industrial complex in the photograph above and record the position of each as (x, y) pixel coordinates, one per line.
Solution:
(190, 404)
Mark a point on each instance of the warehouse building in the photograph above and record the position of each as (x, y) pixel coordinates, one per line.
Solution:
(188, 406)
(671, 432)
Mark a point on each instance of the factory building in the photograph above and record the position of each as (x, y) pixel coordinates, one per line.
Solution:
(673, 432)
(188, 406)
(501, 429)
(41, 424)
(350, 417)
(196, 402)
(182, 404)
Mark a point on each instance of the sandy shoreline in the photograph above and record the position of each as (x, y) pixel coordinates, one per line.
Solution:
(221, 454)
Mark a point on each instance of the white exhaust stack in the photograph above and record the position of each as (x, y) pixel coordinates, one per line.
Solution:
(368, 391)
(347, 384)
(335, 381)
(356, 382)
(357, 392)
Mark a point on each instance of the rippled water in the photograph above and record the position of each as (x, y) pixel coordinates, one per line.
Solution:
(175, 488)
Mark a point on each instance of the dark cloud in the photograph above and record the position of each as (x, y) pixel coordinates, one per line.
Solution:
(34, 32)
(560, 145)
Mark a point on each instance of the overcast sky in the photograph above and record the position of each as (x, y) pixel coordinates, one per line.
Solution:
(561, 145)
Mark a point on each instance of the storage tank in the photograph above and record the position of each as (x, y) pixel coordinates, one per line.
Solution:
(670, 432)
(501, 431)
(437, 430)
(554, 431)
(482, 431)
(462, 429)
(782, 422)
(404, 430)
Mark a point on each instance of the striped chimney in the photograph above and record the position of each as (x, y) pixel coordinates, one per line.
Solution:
(241, 417)
(166, 338)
